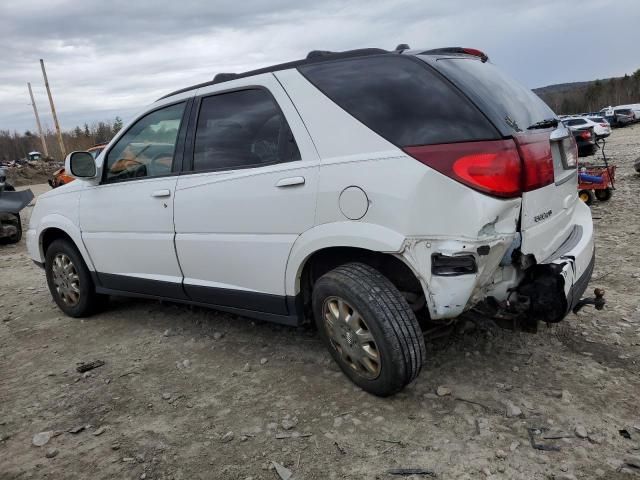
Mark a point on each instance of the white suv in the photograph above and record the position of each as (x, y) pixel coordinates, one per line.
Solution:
(379, 193)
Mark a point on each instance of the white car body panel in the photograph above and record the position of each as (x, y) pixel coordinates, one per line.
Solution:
(128, 231)
(221, 236)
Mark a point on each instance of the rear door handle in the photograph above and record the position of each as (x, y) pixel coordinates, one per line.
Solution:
(289, 182)
(161, 193)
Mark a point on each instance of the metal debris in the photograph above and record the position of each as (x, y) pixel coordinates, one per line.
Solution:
(85, 367)
(540, 446)
(405, 472)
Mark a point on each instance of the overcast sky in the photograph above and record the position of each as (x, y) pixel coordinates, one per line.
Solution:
(112, 57)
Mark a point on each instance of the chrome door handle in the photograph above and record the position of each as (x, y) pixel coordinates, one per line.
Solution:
(289, 182)
(161, 193)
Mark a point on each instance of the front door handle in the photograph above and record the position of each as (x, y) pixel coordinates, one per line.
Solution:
(289, 182)
(161, 193)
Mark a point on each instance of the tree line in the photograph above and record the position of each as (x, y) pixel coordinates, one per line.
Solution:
(15, 145)
(592, 96)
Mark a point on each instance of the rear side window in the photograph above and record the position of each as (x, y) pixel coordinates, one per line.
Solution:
(502, 97)
(400, 99)
(242, 129)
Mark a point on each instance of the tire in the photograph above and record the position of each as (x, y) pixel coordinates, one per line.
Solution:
(604, 195)
(9, 188)
(586, 196)
(17, 222)
(79, 281)
(376, 310)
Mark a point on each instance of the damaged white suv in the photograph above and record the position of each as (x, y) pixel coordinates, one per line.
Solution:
(377, 192)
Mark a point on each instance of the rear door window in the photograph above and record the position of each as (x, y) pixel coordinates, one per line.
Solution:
(242, 129)
(401, 99)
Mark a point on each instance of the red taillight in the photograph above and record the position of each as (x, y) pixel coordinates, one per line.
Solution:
(586, 134)
(604, 125)
(502, 168)
(535, 151)
(491, 167)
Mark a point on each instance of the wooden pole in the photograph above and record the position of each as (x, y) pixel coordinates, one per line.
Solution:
(35, 112)
(53, 111)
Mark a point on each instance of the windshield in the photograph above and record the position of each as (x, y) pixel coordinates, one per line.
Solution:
(505, 98)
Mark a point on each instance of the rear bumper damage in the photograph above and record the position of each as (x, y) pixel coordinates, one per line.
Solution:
(493, 277)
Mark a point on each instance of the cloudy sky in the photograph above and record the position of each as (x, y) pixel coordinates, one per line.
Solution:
(112, 57)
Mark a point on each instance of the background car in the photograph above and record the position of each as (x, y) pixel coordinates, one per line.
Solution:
(601, 128)
(623, 116)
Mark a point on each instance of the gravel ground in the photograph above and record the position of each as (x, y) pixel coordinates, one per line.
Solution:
(189, 393)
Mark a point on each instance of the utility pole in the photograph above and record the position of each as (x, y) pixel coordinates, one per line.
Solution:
(35, 111)
(53, 111)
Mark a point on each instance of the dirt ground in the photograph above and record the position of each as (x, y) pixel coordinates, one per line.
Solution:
(195, 394)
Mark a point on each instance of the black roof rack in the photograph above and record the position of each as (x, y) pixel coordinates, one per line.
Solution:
(314, 56)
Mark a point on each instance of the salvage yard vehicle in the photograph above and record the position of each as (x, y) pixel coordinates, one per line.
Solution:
(601, 129)
(11, 203)
(377, 192)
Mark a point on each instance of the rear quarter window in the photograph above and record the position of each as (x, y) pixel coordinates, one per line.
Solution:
(401, 99)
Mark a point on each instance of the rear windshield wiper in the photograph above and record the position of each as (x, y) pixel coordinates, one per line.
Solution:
(547, 123)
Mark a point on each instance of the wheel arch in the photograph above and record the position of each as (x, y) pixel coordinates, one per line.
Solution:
(329, 246)
(57, 226)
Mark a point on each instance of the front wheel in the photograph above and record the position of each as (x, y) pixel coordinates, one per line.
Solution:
(369, 328)
(69, 280)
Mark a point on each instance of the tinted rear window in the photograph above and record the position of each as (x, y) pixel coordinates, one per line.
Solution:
(575, 121)
(596, 119)
(508, 101)
(404, 101)
(623, 111)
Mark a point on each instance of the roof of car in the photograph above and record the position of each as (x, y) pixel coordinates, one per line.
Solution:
(318, 56)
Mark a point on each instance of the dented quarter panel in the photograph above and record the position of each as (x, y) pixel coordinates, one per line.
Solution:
(449, 296)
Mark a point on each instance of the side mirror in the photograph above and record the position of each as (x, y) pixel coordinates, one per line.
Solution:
(80, 165)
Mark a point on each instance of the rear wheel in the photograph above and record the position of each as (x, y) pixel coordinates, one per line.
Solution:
(69, 280)
(369, 328)
(586, 196)
(604, 194)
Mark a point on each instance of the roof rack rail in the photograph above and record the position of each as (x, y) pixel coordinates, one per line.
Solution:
(223, 77)
(313, 57)
(319, 53)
